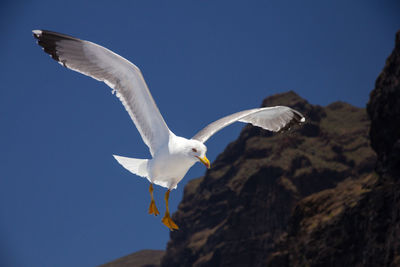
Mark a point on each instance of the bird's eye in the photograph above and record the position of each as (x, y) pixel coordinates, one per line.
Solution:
(194, 150)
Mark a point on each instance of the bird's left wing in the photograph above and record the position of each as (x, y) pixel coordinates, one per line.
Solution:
(270, 118)
(121, 75)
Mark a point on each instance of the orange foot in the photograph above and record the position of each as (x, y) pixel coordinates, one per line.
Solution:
(153, 208)
(169, 222)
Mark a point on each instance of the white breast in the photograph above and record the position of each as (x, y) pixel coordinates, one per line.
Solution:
(170, 164)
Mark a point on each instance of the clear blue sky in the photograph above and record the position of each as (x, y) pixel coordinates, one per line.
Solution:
(64, 201)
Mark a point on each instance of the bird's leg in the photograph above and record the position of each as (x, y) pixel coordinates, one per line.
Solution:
(167, 219)
(152, 209)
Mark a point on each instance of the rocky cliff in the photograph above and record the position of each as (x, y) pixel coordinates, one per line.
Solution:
(235, 213)
(317, 195)
(142, 258)
(362, 225)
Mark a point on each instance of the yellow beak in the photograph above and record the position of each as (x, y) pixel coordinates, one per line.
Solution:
(205, 161)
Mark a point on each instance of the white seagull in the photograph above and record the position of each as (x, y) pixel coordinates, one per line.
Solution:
(172, 155)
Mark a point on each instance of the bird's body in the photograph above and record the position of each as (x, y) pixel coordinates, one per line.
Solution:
(172, 156)
(171, 163)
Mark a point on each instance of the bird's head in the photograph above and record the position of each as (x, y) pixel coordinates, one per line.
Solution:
(198, 150)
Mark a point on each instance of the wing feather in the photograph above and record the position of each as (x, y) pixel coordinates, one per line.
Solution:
(269, 118)
(118, 73)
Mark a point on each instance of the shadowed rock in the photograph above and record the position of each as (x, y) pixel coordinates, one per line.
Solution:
(357, 223)
(233, 215)
(143, 258)
(305, 197)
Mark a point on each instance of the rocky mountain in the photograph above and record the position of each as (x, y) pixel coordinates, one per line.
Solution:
(364, 228)
(143, 258)
(316, 195)
(234, 214)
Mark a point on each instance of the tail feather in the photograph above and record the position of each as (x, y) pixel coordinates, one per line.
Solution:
(135, 166)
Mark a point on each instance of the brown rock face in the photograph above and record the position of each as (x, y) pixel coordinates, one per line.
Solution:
(143, 258)
(357, 223)
(235, 213)
(307, 197)
(384, 111)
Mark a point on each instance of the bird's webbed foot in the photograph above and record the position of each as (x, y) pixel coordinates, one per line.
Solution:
(153, 208)
(169, 222)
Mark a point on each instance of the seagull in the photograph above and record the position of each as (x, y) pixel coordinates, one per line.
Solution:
(172, 155)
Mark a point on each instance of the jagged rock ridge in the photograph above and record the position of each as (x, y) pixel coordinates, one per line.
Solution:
(366, 231)
(309, 197)
(233, 215)
(142, 258)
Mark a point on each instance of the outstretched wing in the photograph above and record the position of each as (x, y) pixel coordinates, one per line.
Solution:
(271, 118)
(121, 75)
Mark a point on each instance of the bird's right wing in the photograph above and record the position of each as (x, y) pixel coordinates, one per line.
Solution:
(121, 75)
(270, 118)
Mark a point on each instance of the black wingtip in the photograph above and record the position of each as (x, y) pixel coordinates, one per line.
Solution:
(36, 33)
(48, 40)
(296, 120)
